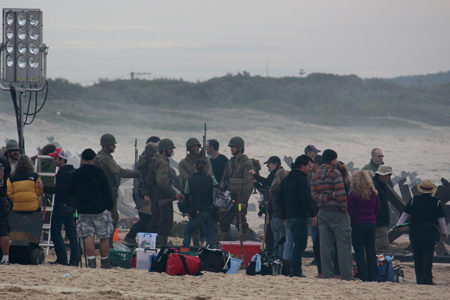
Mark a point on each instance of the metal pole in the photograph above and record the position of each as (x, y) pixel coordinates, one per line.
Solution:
(21, 138)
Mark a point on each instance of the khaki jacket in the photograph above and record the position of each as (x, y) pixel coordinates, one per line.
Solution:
(113, 171)
(187, 168)
(236, 175)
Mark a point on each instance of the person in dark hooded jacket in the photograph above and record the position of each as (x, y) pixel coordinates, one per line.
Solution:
(295, 200)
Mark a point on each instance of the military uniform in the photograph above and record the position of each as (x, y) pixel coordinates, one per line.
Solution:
(159, 183)
(236, 177)
(113, 172)
(187, 168)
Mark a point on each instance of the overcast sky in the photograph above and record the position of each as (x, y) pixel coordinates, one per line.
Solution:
(197, 40)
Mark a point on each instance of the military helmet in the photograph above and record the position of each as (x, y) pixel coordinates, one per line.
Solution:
(192, 142)
(236, 142)
(12, 145)
(107, 139)
(166, 144)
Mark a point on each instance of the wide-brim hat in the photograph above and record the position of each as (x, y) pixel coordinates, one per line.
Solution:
(426, 187)
(384, 170)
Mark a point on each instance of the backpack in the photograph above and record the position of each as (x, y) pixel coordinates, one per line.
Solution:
(180, 264)
(385, 269)
(214, 260)
(258, 266)
(161, 259)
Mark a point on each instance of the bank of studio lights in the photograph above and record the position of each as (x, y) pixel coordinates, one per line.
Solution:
(22, 46)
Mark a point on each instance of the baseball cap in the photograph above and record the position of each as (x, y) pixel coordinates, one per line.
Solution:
(60, 152)
(311, 148)
(274, 160)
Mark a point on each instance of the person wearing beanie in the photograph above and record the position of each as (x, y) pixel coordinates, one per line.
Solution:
(328, 191)
(94, 202)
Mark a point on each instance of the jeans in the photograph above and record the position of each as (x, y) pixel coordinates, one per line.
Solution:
(423, 252)
(279, 232)
(142, 225)
(288, 245)
(64, 215)
(203, 220)
(299, 228)
(363, 238)
(334, 226)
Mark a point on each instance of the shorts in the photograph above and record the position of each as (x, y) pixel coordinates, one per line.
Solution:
(4, 212)
(99, 225)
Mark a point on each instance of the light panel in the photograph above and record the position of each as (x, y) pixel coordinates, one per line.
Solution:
(22, 39)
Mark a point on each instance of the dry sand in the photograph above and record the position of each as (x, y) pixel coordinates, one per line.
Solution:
(48, 282)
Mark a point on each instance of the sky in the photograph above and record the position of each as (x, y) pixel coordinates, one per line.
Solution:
(199, 39)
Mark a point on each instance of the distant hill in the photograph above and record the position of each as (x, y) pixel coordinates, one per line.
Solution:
(318, 98)
(427, 80)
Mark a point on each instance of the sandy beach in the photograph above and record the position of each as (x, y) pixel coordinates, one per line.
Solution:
(59, 282)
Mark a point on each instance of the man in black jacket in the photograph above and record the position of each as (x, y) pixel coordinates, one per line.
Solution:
(297, 207)
(381, 182)
(94, 203)
(63, 210)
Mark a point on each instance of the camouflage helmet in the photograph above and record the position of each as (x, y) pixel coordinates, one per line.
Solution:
(166, 144)
(107, 139)
(12, 145)
(236, 142)
(192, 142)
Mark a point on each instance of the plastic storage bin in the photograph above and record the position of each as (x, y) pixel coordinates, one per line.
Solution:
(143, 257)
(119, 258)
(147, 240)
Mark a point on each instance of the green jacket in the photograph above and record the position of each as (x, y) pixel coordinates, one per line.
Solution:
(163, 177)
(371, 166)
(113, 171)
(187, 168)
(236, 175)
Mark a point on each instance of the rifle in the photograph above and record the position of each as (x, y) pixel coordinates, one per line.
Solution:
(204, 141)
(241, 232)
(135, 154)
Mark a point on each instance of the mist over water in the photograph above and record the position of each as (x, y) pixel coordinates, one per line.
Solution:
(424, 150)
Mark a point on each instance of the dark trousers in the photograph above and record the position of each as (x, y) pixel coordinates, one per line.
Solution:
(363, 239)
(299, 227)
(423, 251)
(142, 225)
(162, 218)
(64, 215)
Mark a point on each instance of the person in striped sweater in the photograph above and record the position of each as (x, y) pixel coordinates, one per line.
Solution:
(328, 191)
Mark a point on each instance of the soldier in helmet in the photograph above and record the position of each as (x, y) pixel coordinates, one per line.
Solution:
(161, 192)
(105, 161)
(187, 169)
(187, 165)
(236, 178)
(12, 153)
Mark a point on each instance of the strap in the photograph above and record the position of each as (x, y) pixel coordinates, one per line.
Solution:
(183, 261)
(228, 259)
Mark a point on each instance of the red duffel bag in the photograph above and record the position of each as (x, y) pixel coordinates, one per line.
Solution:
(180, 264)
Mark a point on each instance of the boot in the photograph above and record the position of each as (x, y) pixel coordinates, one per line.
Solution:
(92, 263)
(163, 240)
(104, 262)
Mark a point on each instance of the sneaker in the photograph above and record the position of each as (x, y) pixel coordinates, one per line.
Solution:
(92, 263)
(105, 264)
(4, 263)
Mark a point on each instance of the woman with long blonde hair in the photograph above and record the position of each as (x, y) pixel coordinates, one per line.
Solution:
(363, 207)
